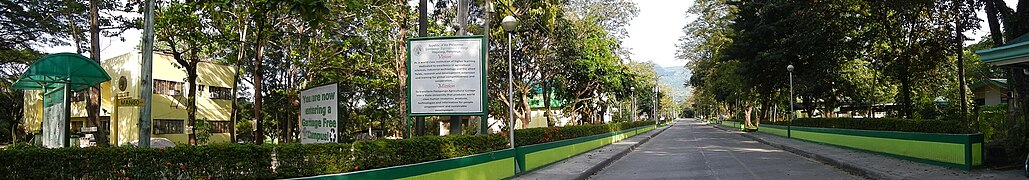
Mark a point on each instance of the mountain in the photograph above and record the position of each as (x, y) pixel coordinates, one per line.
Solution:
(675, 77)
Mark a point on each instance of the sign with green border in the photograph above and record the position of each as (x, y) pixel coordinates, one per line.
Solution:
(446, 76)
(319, 114)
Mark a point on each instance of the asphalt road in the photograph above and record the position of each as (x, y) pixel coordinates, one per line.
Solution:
(691, 150)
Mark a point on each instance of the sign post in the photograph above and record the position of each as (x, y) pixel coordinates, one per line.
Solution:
(319, 108)
(447, 77)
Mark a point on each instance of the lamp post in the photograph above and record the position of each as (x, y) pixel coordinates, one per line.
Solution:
(510, 24)
(632, 105)
(789, 125)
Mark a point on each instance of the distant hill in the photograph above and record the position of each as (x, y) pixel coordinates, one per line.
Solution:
(675, 77)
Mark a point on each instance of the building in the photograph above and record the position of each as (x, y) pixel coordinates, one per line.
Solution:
(168, 105)
(990, 92)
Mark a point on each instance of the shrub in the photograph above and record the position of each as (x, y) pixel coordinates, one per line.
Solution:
(247, 161)
(231, 161)
(244, 131)
(550, 134)
(882, 124)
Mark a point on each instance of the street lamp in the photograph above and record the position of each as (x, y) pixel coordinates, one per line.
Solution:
(632, 105)
(510, 24)
(789, 125)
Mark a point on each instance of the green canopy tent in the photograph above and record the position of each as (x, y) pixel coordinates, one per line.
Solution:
(66, 72)
(60, 70)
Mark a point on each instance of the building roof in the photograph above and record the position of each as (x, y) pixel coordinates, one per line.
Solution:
(1001, 83)
(1014, 52)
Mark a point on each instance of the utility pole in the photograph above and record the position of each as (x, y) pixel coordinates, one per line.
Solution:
(483, 124)
(146, 89)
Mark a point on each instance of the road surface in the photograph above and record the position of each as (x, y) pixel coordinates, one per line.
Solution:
(692, 150)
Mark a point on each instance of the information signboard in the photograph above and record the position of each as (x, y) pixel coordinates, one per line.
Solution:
(319, 120)
(55, 120)
(446, 76)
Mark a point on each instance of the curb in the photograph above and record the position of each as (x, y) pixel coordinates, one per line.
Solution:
(845, 166)
(603, 164)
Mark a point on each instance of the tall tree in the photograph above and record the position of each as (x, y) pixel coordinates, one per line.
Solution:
(181, 32)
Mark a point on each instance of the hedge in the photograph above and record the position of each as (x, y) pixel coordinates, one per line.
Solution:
(882, 124)
(270, 161)
(550, 134)
(228, 161)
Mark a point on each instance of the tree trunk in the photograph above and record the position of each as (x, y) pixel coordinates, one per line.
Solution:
(526, 110)
(905, 90)
(808, 107)
(241, 54)
(401, 71)
(546, 104)
(191, 102)
(600, 114)
(258, 89)
(747, 110)
(93, 108)
(991, 17)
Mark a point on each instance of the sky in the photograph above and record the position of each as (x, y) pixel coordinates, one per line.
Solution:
(655, 31)
(652, 34)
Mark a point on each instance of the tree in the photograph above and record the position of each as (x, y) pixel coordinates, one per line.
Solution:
(591, 67)
(181, 32)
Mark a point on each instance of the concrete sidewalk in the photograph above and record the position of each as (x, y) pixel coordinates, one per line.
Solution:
(873, 166)
(583, 165)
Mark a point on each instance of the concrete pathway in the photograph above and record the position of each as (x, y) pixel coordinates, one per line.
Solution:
(692, 150)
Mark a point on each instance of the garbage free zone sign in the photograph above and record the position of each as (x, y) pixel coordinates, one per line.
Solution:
(319, 119)
(446, 76)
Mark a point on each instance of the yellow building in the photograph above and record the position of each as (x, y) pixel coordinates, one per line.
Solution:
(168, 108)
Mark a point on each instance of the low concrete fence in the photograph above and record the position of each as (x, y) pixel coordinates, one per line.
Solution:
(535, 156)
(496, 164)
(962, 151)
(732, 124)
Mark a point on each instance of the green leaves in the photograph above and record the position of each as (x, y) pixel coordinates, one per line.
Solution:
(845, 52)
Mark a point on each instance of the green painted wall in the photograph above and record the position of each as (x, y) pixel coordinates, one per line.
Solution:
(771, 130)
(537, 159)
(951, 150)
(936, 151)
(732, 124)
(977, 154)
(498, 169)
(493, 165)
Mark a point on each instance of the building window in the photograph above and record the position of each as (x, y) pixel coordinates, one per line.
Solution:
(76, 126)
(220, 126)
(78, 96)
(168, 126)
(170, 88)
(105, 125)
(220, 92)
